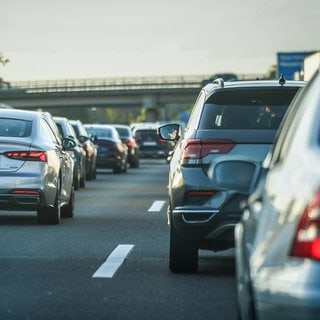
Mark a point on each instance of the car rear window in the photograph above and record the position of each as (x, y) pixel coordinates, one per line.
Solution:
(252, 109)
(123, 132)
(147, 135)
(100, 132)
(15, 127)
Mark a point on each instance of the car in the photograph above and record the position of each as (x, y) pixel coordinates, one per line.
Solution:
(89, 148)
(78, 154)
(225, 76)
(149, 142)
(277, 240)
(35, 168)
(128, 139)
(112, 152)
(229, 119)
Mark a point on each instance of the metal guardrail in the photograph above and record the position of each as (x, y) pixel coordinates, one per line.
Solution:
(125, 83)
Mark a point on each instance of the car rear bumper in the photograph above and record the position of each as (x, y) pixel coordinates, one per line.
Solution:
(19, 202)
(290, 291)
(209, 228)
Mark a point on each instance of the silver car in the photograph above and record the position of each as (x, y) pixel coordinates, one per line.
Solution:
(36, 172)
(278, 238)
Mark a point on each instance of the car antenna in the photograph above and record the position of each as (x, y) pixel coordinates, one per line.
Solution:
(282, 80)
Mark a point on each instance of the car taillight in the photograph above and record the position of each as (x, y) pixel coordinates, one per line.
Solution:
(129, 143)
(306, 243)
(199, 148)
(27, 155)
(197, 197)
(26, 191)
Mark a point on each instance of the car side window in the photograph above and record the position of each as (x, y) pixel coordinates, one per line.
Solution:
(196, 112)
(287, 131)
(47, 133)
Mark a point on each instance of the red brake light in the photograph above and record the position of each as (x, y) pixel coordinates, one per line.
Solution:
(27, 155)
(129, 143)
(24, 191)
(198, 148)
(306, 243)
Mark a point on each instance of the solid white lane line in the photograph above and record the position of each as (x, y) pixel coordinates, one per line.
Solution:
(156, 206)
(113, 262)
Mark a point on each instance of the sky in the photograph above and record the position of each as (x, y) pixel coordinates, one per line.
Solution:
(72, 39)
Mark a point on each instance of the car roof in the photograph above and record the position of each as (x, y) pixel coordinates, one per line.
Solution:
(219, 84)
(24, 114)
(98, 125)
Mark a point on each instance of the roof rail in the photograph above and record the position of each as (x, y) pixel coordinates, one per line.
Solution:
(219, 82)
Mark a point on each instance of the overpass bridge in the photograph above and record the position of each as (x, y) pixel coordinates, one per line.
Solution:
(152, 93)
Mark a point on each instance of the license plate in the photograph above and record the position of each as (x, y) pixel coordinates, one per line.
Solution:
(149, 143)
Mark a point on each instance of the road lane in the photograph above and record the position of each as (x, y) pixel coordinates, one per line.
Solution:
(46, 271)
(114, 261)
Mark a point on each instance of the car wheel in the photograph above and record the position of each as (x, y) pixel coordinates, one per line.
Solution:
(94, 173)
(134, 164)
(117, 169)
(183, 256)
(50, 215)
(68, 210)
(82, 182)
(76, 181)
(125, 167)
(90, 173)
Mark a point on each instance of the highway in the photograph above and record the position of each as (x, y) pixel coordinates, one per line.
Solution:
(111, 260)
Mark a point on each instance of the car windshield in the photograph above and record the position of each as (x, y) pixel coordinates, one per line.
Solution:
(259, 109)
(15, 127)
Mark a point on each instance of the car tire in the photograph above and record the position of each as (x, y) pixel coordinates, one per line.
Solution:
(68, 210)
(135, 164)
(50, 215)
(90, 173)
(83, 182)
(76, 181)
(183, 256)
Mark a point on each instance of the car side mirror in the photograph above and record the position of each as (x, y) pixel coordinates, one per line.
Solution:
(83, 139)
(169, 132)
(240, 175)
(68, 143)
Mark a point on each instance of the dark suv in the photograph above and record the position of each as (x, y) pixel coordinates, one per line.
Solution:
(236, 120)
(150, 145)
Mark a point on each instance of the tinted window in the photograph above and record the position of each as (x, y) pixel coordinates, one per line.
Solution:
(15, 127)
(123, 132)
(246, 109)
(99, 132)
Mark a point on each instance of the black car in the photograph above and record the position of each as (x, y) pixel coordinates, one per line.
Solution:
(88, 146)
(112, 152)
(230, 120)
(128, 139)
(79, 156)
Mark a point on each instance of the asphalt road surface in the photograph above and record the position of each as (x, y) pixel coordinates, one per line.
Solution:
(111, 260)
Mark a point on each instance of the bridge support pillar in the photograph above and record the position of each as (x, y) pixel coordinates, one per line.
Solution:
(151, 105)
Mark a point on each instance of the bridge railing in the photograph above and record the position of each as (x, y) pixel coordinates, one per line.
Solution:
(128, 83)
(124, 83)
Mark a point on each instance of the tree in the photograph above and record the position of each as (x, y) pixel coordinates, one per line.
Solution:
(3, 60)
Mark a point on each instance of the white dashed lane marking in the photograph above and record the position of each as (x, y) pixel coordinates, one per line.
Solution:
(156, 206)
(114, 261)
